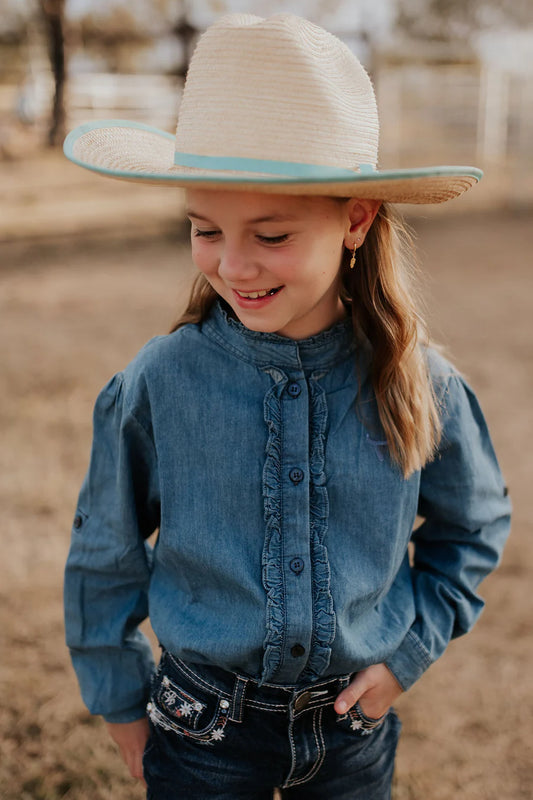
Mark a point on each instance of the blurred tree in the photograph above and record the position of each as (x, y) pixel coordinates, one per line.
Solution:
(445, 19)
(53, 12)
(186, 35)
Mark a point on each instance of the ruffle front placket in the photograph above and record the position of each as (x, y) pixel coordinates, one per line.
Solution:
(300, 618)
(324, 613)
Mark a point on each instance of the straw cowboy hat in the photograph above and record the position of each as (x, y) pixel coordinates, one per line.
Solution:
(271, 105)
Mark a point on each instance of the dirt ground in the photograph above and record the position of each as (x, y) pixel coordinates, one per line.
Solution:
(74, 311)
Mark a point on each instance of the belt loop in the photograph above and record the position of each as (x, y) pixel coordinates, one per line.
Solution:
(344, 680)
(238, 698)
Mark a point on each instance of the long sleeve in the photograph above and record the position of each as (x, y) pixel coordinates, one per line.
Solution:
(108, 568)
(466, 513)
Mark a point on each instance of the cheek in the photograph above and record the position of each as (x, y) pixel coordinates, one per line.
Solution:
(293, 264)
(322, 265)
(204, 257)
(324, 252)
(331, 260)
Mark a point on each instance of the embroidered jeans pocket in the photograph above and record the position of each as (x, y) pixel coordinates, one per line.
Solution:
(188, 710)
(356, 720)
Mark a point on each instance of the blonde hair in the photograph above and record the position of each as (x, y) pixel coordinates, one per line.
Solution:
(380, 294)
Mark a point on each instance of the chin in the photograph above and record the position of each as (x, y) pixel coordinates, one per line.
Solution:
(254, 324)
(259, 327)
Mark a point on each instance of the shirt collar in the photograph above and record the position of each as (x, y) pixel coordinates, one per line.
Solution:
(269, 349)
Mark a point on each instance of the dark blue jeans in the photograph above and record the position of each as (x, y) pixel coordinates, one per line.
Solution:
(219, 735)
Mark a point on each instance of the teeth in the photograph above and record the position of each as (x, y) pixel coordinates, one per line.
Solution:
(255, 295)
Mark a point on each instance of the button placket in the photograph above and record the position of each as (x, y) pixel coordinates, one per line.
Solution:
(297, 650)
(294, 529)
(297, 565)
(296, 475)
(294, 390)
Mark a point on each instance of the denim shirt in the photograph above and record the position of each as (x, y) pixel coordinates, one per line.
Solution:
(284, 525)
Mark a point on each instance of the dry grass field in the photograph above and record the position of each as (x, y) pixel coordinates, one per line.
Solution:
(73, 312)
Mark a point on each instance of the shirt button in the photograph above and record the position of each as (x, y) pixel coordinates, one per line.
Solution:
(296, 475)
(78, 522)
(297, 650)
(294, 389)
(297, 565)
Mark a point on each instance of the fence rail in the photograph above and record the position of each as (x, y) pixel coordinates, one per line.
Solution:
(464, 113)
(146, 98)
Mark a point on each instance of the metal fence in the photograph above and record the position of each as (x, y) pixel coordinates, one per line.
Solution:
(464, 113)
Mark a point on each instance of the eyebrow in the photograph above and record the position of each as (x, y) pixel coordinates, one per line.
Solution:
(257, 221)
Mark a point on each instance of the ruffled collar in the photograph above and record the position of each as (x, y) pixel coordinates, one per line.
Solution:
(321, 351)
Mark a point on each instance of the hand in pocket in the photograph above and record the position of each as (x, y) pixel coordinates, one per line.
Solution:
(131, 738)
(374, 688)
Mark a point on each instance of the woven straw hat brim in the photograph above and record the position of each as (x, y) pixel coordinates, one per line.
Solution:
(133, 151)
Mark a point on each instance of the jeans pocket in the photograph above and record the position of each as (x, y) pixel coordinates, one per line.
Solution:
(188, 710)
(356, 720)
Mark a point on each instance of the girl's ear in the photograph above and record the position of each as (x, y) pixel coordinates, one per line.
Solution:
(360, 216)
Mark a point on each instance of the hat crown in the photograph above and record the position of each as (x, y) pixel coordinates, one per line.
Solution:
(279, 89)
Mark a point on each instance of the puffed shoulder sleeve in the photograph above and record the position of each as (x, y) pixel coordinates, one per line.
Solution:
(465, 508)
(108, 567)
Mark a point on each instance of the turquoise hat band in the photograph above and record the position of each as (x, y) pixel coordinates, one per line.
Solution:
(104, 146)
(287, 169)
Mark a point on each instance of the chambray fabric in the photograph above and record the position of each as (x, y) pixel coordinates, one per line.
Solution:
(284, 525)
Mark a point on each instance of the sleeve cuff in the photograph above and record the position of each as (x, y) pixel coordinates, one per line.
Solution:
(410, 661)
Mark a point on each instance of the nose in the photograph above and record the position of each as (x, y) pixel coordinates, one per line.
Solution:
(236, 265)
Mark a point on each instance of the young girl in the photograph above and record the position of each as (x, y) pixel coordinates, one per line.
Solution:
(282, 439)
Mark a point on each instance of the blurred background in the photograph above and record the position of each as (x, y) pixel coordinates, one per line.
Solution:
(92, 268)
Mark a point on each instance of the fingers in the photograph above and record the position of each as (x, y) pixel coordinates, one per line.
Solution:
(133, 759)
(131, 738)
(376, 685)
(134, 762)
(349, 696)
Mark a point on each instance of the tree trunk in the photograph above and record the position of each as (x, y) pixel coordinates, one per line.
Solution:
(54, 20)
(185, 33)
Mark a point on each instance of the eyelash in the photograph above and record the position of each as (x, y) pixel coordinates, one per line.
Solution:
(205, 234)
(263, 239)
(274, 239)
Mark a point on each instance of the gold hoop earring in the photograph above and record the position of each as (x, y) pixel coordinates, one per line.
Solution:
(352, 260)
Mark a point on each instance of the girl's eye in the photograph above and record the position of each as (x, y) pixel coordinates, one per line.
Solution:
(205, 234)
(273, 239)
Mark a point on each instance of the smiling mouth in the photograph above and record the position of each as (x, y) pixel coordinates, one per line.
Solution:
(261, 293)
